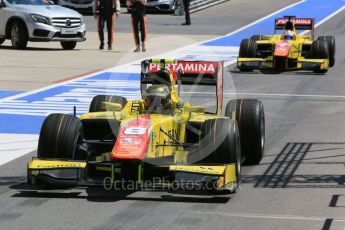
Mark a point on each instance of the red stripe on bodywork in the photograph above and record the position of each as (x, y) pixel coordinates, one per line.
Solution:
(133, 139)
(282, 49)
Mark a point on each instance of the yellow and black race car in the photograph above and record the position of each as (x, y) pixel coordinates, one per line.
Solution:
(288, 50)
(159, 141)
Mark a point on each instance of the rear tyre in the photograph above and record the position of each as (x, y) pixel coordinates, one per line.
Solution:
(250, 116)
(257, 37)
(220, 143)
(331, 48)
(248, 49)
(19, 36)
(68, 45)
(96, 103)
(60, 137)
(320, 50)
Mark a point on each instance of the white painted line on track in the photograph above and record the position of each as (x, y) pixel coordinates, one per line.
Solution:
(271, 216)
(329, 17)
(13, 146)
(251, 24)
(273, 95)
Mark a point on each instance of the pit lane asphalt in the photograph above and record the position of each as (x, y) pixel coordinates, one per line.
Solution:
(299, 184)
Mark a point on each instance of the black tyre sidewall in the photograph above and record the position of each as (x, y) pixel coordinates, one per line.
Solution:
(251, 122)
(22, 36)
(220, 143)
(247, 48)
(331, 48)
(68, 45)
(59, 136)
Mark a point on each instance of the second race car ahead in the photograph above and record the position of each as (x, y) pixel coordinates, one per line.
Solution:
(159, 139)
(289, 50)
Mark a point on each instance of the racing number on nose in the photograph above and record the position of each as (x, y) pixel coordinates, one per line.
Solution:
(134, 131)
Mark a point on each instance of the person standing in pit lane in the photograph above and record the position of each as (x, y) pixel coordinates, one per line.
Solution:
(186, 4)
(139, 23)
(104, 13)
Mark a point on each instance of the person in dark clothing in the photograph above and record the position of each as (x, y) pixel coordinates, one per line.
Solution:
(104, 13)
(139, 23)
(186, 4)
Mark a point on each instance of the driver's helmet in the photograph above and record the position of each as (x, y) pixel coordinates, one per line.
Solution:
(157, 99)
(288, 35)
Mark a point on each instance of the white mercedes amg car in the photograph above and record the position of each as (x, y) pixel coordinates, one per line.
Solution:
(39, 20)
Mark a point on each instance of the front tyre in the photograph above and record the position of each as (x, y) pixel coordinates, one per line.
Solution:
(60, 138)
(250, 116)
(219, 144)
(331, 48)
(19, 36)
(320, 50)
(248, 49)
(68, 45)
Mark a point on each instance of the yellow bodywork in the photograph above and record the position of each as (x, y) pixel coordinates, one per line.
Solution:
(174, 124)
(160, 144)
(54, 164)
(226, 173)
(295, 52)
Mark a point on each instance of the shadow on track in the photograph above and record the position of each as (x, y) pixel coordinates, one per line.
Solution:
(94, 194)
(281, 172)
(275, 72)
(2, 47)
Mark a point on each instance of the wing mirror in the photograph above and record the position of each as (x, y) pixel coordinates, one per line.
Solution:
(112, 106)
(195, 109)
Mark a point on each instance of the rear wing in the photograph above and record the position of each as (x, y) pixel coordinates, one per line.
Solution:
(298, 23)
(187, 72)
(207, 73)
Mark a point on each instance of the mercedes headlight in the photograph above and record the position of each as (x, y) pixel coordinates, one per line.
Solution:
(40, 19)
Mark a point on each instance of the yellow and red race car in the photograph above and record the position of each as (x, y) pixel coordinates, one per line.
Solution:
(159, 141)
(288, 50)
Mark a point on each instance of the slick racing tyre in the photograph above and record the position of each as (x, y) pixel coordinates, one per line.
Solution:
(220, 143)
(331, 48)
(320, 50)
(250, 117)
(68, 45)
(248, 49)
(60, 138)
(96, 103)
(19, 36)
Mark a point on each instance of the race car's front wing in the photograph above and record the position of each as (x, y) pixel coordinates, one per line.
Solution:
(267, 63)
(72, 173)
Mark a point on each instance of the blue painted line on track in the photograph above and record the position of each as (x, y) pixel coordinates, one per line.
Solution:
(20, 124)
(108, 76)
(4, 94)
